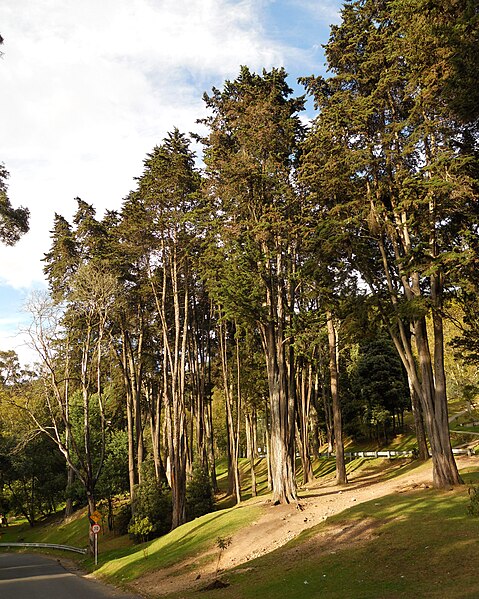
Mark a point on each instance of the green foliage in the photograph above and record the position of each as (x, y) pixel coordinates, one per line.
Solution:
(254, 131)
(380, 383)
(222, 543)
(114, 476)
(473, 505)
(76, 493)
(152, 501)
(122, 519)
(141, 528)
(13, 221)
(199, 494)
(32, 478)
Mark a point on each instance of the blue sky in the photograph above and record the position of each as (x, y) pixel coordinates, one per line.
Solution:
(89, 88)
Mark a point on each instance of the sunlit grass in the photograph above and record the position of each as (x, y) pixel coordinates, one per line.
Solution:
(192, 540)
(421, 544)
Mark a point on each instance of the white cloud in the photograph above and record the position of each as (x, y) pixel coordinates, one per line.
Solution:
(88, 88)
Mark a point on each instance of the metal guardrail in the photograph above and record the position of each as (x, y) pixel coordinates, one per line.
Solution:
(45, 546)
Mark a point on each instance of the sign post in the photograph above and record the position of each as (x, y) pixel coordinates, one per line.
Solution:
(95, 530)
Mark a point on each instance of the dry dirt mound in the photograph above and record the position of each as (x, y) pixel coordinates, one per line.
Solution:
(280, 524)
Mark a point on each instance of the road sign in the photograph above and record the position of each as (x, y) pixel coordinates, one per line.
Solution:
(95, 530)
(96, 517)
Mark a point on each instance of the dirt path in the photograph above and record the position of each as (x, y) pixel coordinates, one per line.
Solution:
(280, 524)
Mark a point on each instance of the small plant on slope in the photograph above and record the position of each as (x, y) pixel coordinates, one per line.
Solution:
(473, 507)
(222, 543)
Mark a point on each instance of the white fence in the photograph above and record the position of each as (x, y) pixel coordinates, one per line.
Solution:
(389, 453)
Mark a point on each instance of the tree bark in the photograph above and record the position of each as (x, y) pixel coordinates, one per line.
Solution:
(281, 450)
(434, 401)
(341, 476)
(423, 451)
(304, 405)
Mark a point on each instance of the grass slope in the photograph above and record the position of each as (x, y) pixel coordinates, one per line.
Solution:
(194, 540)
(420, 544)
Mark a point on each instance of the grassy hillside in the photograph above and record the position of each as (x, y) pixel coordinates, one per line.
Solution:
(418, 545)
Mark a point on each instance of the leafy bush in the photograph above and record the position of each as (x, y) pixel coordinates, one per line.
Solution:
(473, 507)
(141, 527)
(152, 501)
(122, 519)
(199, 494)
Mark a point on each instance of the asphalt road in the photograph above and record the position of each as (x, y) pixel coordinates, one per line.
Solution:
(32, 576)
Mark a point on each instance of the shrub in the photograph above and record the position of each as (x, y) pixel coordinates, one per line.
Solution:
(152, 501)
(122, 519)
(141, 528)
(199, 494)
(473, 507)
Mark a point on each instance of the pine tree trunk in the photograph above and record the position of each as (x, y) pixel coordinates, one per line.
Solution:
(341, 476)
(434, 402)
(251, 448)
(281, 453)
(423, 451)
(304, 404)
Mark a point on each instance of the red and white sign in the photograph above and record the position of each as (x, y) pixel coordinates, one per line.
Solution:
(96, 528)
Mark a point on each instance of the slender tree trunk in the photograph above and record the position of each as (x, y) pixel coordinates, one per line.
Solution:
(69, 500)
(328, 412)
(132, 479)
(131, 446)
(423, 452)
(238, 420)
(70, 471)
(304, 404)
(315, 431)
(250, 420)
(153, 397)
(268, 448)
(211, 446)
(175, 350)
(341, 476)
(233, 468)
